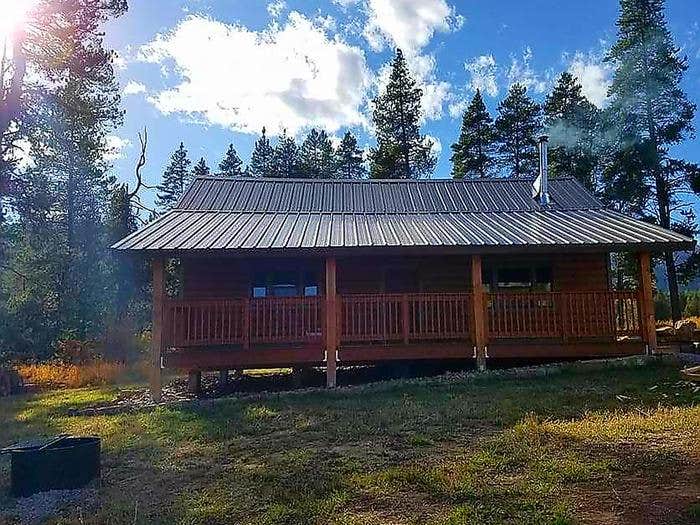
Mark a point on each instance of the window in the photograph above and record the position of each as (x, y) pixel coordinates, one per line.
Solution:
(519, 278)
(287, 283)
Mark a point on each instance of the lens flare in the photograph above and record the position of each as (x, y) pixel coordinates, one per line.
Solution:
(13, 15)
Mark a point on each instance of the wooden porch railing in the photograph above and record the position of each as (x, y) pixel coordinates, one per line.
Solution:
(243, 321)
(564, 315)
(402, 318)
(387, 318)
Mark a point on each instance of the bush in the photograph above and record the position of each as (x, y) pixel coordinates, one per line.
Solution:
(57, 374)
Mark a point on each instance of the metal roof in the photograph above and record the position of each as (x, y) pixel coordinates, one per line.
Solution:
(379, 196)
(247, 215)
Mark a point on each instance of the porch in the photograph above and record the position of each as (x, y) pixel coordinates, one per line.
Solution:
(327, 317)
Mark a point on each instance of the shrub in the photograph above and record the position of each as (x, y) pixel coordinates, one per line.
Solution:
(57, 374)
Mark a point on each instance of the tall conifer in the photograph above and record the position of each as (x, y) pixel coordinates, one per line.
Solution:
(316, 156)
(175, 179)
(286, 157)
(401, 152)
(262, 159)
(231, 165)
(517, 127)
(647, 99)
(201, 169)
(572, 123)
(473, 153)
(349, 159)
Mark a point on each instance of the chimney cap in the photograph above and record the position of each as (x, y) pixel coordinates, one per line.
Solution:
(543, 138)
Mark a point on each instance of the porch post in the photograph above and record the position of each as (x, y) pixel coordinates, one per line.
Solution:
(158, 297)
(331, 338)
(647, 302)
(478, 302)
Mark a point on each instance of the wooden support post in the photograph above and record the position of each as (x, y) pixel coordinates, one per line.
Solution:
(246, 324)
(194, 382)
(158, 298)
(404, 318)
(478, 312)
(223, 379)
(297, 376)
(647, 302)
(331, 338)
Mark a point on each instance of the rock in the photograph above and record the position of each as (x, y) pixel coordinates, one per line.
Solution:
(685, 330)
(665, 332)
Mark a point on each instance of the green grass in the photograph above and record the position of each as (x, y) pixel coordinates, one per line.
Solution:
(558, 449)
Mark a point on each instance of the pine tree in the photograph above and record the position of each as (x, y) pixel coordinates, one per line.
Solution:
(261, 161)
(201, 169)
(175, 179)
(57, 240)
(120, 222)
(231, 165)
(517, 127)
(473, 152)
(316, 156)
(646, 96)
(349, 159)
(572, 123)
(286, 157)
(401, 152)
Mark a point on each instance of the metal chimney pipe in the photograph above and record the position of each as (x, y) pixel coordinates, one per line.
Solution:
(544, 170)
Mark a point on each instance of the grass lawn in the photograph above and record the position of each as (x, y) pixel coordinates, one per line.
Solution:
(610, 446)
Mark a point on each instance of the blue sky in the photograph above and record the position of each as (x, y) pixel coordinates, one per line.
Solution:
(210, 72)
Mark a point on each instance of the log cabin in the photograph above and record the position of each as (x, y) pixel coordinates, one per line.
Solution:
(327, 273)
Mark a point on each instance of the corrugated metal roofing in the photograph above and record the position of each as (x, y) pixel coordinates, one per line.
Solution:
(379, 196)
(259, 214)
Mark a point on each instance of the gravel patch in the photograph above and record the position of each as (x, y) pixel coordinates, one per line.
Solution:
(39, 507)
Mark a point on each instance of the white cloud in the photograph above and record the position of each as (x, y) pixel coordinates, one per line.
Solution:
(291, 76)
(133, 88)
(408, 24)
(437, 145)
(521, 72)
(115, 147)
(594, 75)
(119, 62)
(275, 8)
(482, 72)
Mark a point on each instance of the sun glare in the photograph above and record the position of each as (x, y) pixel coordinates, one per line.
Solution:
(13, 14)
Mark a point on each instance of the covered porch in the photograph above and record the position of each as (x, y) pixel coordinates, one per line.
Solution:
(331, 311)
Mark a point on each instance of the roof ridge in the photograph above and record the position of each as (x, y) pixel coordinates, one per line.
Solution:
(379, 181)
(422, 212)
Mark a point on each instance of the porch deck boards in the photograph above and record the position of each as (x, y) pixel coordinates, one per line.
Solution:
(356, 354)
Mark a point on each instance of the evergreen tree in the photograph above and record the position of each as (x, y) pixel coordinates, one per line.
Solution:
(262, 159)
(316, 156)
(517, 127)
(201, 169)
(473, 152)
(349, 159)
(71, 102)
(401, 152)
(175, 179)
(646, 97)
(572, 123)
(231, 165)
(286, 157)
(120, 222)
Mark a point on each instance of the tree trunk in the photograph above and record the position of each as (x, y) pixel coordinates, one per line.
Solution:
(663, 198)
(673, 293)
